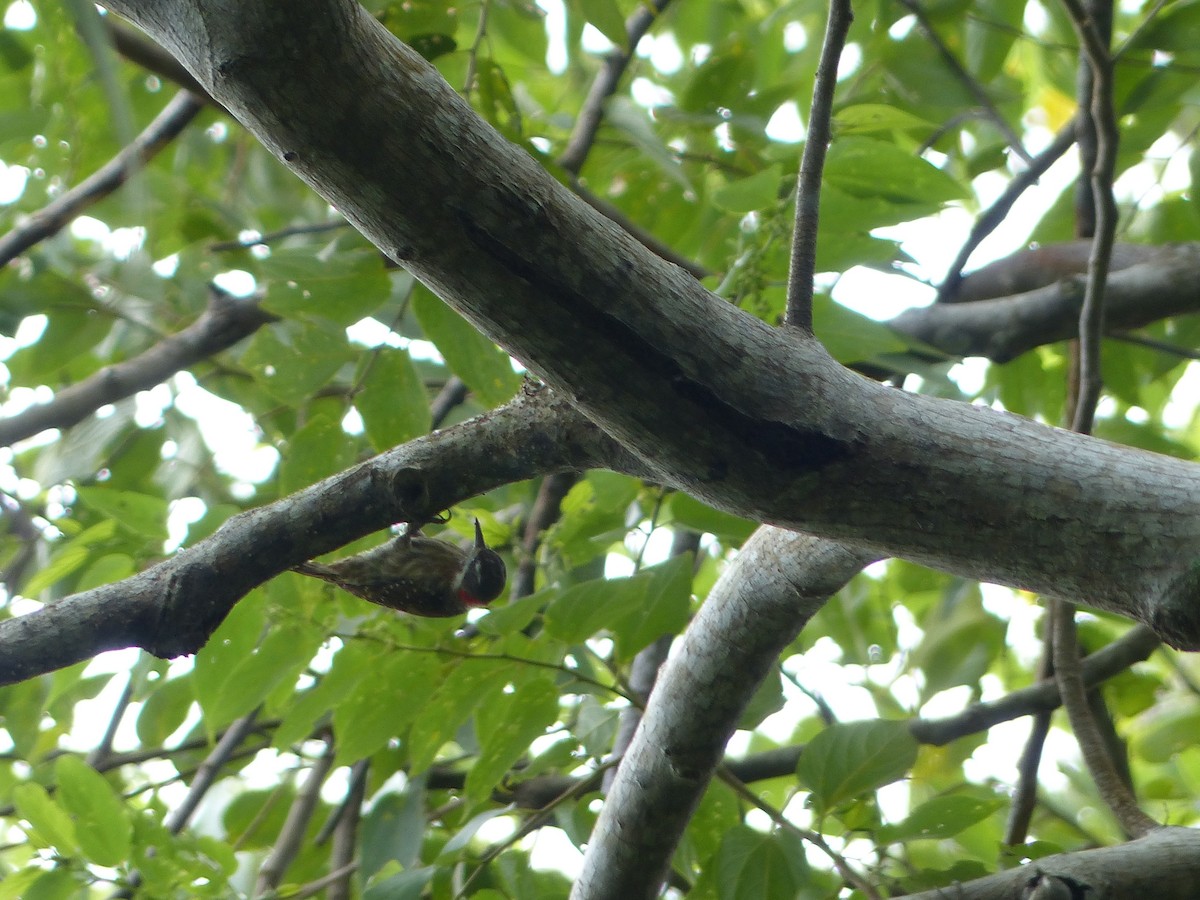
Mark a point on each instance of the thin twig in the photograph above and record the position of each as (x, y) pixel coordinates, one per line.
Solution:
(1097, 210)
(96, 758)
(641, 235)
(345, 833)
(1024, 800)
(999, 210)
(1091, 317)
(473, 53)
(1153, 344)
(291, 836)
(272, 237)
(331, 881)
(59, 212)
(812, 165)
(208, 771)
(974, 88)
(1112, 789)
(138, 48)
(545, 511)
(815, 838)
(591, 114)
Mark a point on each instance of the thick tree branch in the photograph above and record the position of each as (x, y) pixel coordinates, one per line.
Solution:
(1172, 855)
(762, 600)
(173, 607)
(777, 431)
(1163, 282)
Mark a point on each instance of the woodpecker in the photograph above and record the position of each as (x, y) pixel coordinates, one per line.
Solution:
(419, 575)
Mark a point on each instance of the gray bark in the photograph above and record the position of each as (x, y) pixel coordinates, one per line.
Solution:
(755, 420)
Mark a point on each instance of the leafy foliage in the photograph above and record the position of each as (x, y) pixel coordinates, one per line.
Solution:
(446, 746)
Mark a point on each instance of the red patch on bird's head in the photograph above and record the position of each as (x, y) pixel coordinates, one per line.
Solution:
(470, 599)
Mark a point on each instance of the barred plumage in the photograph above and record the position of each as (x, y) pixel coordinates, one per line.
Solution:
(419, 575)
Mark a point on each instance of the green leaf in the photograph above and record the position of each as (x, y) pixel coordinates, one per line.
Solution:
(320, 449)
(352, 663)
(752, 865)
(852, 337)
(165, 710)
(51, 824)
(20, 885)
(463, 836)
(757, 191)
(141, 514)
(342, 286)
(991, 33)
(847, 760)
(496, 99)
(943, 817)
(70, 333)
(14, 55)
(872, 168)
(481, 364)
(868, 118)
(664, 609)
(392, 402)
(635, 610)
(110, 568)
(24, 706)
(723, 80)
(622, 113)
(382, 705)
(690, 513)
(394, 828)
(283, 653)
(506, 727)
(56, 884)
(958, 648)
(511, 617)
(403, 886)
(254, 819)
(292, 360)
(233, 641)
(768, 699)
(102, 825)
(607, 19)
(470, 684)
(1166, 731)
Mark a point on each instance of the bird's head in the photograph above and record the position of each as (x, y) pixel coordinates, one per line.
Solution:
(483, 574)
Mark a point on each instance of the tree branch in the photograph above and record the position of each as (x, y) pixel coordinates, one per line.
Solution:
(226, 321)
(1164, 282)
(1171, 854)
(762, 600)
(803, 265)
(777, 432)
(59, 212)
(172, 608)
(974, 88)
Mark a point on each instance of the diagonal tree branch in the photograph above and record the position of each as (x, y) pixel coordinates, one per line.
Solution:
(173, 607)
(226, 321)
(762, 600)
(778, 431)
(58, 213)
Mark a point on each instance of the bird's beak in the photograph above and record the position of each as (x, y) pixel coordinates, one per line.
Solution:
(479, 544)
